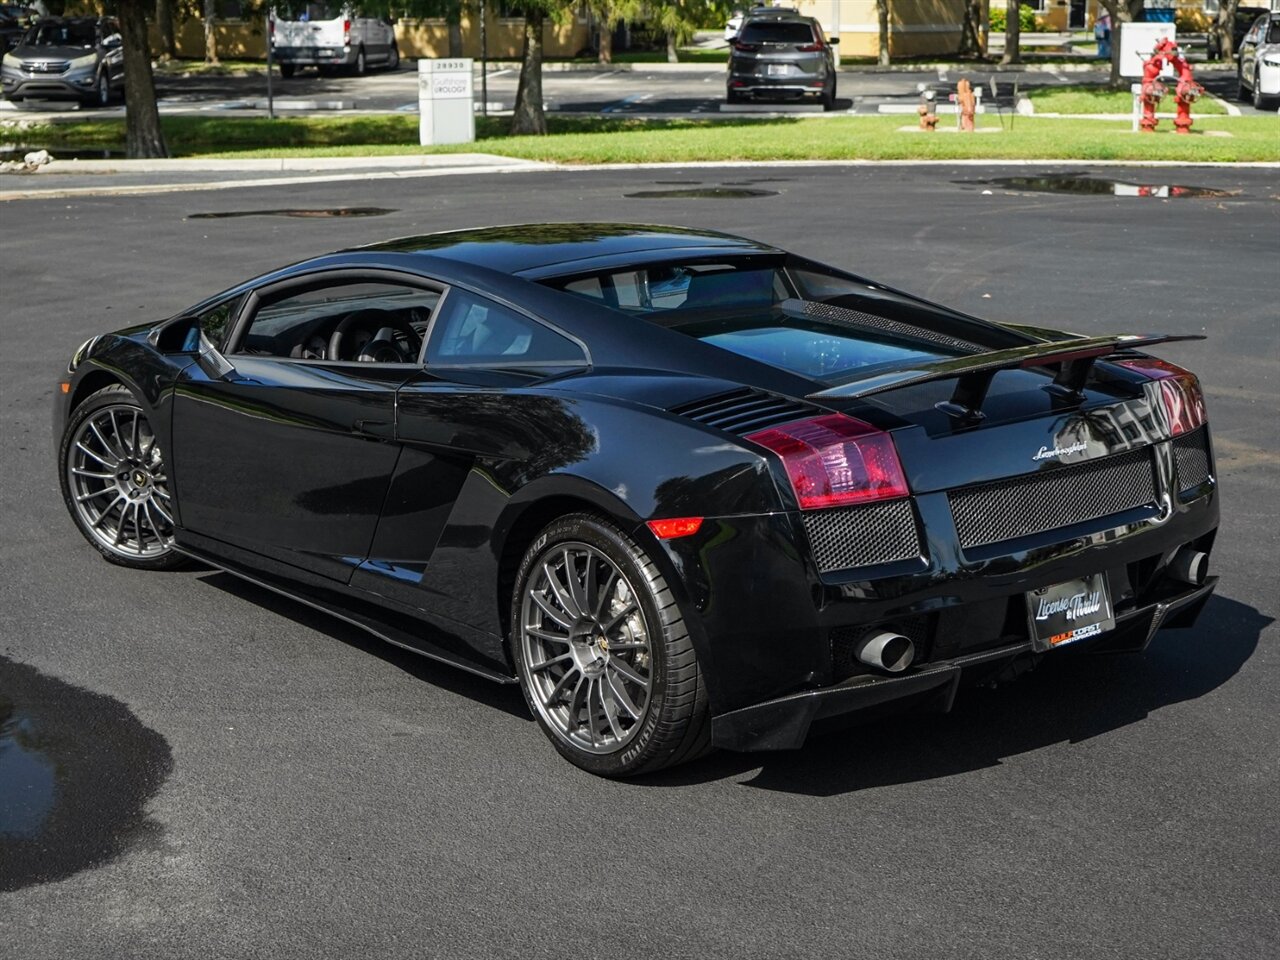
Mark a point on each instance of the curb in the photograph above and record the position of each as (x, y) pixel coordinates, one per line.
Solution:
(450, 162)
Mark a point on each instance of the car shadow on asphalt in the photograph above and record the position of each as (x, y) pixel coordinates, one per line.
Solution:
(1069, 700)
(499, 696)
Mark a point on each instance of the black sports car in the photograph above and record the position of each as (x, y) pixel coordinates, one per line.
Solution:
(688, 490)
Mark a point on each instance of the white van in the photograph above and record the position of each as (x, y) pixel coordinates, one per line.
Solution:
(331, 37)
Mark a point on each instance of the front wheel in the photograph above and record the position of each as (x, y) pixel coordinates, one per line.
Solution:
(1259, 98)
(1241, 95)
(603, 654)
(115, 482)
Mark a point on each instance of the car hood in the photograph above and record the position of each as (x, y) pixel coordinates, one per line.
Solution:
(23, 52)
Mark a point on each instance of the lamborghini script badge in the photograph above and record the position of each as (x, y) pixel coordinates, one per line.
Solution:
(1047, 453)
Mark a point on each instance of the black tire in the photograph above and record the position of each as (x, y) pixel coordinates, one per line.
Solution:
(829, 98)
(732, 96)
(117, 401)
(100, 96)
(393, 58)
(1240, 87)
(361, 66)
(287, 70)
(674, 725)
(1259, 100)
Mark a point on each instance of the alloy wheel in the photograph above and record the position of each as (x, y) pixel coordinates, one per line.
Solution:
(586, 649)
(118, 483)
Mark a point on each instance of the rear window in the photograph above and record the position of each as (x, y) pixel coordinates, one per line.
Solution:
(819, 325)
(765, 31)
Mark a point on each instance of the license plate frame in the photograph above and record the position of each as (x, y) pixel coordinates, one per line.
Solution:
(777, 70)
(1064, 613)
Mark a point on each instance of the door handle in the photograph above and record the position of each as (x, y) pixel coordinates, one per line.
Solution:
(375, 429)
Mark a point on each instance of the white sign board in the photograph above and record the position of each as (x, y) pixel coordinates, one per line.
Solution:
(1137, 40)
(445, 110)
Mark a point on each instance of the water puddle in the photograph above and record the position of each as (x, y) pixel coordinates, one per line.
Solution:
(1090, 186)
(77, 770)
(701, 193)
(322, 213)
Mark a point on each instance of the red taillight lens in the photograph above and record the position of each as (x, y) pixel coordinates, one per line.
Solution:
(346, 32)
(675, 527)
(746, 47)
(1179, 390)
(811, 48)
(836, 460)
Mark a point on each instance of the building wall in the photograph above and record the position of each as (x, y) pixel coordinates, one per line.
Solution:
(244, 39)
(916, 27)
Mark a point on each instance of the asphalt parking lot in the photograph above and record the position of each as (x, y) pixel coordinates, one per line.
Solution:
(239, 777)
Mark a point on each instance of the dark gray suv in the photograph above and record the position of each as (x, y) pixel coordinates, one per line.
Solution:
(61, 58)
(782, 56)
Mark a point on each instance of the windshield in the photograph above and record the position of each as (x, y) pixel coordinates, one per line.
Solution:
(820, 325)
(300, 10)
(764, 31)
(75, 34)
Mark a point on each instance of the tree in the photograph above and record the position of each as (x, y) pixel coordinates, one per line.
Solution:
(972, 39)
(608, 14)
(1122, 11)
(529, 116)
(143, 137)
(164, 26)
(677, 20)
(1012, 33)
(210, 34)
(882, 18)
(1222, 28)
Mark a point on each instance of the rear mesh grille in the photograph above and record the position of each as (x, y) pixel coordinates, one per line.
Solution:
(1191, 452)
(870, 322)
(745, 411)
(876, 533)
(844, 641)
(1008, 509)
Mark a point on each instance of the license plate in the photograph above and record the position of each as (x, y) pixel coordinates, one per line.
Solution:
(778, 69)
(1067, 612)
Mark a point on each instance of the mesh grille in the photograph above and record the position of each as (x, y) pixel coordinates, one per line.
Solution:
(1191, 452)
(844, 640)
(992, 512)
(870, 322)
(744, 411)
(863, 536)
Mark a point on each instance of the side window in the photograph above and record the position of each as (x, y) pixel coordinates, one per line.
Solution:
(474, 330)
(369, 322)
(215, 323)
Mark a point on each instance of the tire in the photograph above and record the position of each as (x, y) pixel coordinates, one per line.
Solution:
(615, 628)
(361, 66)
(287, 70)
(393, 59)
(732, 96)
(109, 455)
(829, 99)
(1240, 87)
(101, 94)
(1259, 100)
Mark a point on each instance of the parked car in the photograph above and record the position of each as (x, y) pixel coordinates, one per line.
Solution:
(331, 37)
(14, 21)
(61, 58)
(774, 493)
(1258, 62)
(1245, 17)
(733, 25)
(782, 56)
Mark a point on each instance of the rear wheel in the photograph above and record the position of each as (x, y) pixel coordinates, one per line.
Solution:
(829, 97)
(361, 66)
(287, 70)
(602, 652)
(115, 482)
(393, 58)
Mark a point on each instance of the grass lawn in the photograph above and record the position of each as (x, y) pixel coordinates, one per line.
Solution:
(620, 140)
(198, 68)
(1078, 98)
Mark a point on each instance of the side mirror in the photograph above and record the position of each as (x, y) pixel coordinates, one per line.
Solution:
(834, 41)
(111, 42)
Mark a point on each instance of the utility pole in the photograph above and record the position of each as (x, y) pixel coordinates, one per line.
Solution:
(484, 60)
(271, 43)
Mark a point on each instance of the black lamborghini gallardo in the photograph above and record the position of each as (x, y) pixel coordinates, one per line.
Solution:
(686, 489)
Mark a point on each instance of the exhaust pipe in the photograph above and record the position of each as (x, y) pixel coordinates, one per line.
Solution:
(885, 650)
(1189, 566)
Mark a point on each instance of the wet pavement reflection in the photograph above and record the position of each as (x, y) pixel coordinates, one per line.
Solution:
(1093, 186)
(318, 214)
(77, 770)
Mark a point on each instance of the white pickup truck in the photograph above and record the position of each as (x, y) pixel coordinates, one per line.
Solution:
(331, 37)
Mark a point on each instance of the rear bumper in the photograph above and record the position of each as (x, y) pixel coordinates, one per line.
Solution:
(778, 87)
(783, 723)
(315, 56)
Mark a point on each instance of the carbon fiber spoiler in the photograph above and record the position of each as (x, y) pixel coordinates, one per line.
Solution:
(974, 372)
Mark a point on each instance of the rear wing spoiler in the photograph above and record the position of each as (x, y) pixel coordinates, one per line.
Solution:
(974, 373)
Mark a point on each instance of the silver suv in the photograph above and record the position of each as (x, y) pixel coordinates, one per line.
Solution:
(61, 58)
(782, 56)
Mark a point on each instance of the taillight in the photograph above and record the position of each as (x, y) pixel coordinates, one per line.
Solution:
(346, 32)
(836, 460)
(811, 48)
(675, 527)
(745, 47)
(1179, 390)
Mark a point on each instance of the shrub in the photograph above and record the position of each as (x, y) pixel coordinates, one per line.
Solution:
(1028, 22)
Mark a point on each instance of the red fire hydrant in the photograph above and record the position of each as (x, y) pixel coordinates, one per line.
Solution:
(1186, 93)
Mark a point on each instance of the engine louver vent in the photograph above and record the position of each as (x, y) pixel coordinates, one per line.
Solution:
(871, 323)
(745, 411)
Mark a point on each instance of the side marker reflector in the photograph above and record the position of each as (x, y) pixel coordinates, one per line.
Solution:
(675, 527)
(66, 387)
